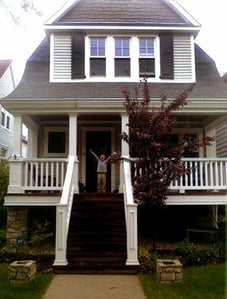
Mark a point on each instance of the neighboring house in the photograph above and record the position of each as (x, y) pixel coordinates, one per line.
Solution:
(70, 100)
(7, 85)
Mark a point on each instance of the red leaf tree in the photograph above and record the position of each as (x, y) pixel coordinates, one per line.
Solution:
(150, 131)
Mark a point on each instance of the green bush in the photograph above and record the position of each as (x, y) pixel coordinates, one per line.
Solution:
(147, 259)
(4, 181)
(190, 254)
(41, 238)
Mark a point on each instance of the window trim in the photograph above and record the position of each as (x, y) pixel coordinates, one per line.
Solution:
(98, 56)
(122, 56)
(147, 56)
(47, 131)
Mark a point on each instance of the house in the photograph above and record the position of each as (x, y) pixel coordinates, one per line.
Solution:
(7, 85)
(70, 100)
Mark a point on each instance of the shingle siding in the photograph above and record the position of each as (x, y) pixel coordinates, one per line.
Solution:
(122, 11)
(221, 140)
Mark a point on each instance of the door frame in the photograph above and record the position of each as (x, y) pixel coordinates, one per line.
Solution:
(84, 131)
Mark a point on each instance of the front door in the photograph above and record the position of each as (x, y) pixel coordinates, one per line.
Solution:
(100, 143)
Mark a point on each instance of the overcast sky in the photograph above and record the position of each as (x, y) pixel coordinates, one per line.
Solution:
(18, 42)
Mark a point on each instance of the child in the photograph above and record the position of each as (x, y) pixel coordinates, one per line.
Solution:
(101, 171)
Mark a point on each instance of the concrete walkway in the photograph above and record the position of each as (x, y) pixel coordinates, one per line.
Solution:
(95, 287)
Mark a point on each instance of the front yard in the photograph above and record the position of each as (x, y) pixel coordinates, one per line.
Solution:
(199, 282)
(31, 290)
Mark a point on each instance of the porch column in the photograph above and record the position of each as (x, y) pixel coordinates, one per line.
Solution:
(32, 138)
(16, 166)
(73, 145)
(124, 146)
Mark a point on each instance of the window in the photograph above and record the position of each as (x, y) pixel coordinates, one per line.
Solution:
(122, 57)
(97, 57)
(146, 57)
(56, 142)
(7, 122)
(3, 119)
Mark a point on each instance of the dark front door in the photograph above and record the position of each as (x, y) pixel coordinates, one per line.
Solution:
(100, 143)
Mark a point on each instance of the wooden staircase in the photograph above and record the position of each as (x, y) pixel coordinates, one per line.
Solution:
(97, 235)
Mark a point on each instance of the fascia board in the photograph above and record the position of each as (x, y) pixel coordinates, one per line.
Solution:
(184, 13)
(116, 27)
(62, 11)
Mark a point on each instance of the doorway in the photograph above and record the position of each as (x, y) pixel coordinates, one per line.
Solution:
(100, 143)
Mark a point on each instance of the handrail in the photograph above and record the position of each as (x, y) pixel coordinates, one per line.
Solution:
(130, 215)
(64, 212)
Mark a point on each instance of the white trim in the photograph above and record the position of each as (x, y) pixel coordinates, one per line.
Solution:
(62, 11)
(83, 153)
(196, 200)
(47, 130)
(180, 9)
(124, 28)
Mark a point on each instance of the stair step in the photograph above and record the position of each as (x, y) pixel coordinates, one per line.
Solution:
(97, 234)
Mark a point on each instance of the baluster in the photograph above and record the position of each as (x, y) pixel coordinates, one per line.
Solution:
(201, 174)
(41, 174)
(47, 171)
(196, 174)
(26, 174)
(57, 174)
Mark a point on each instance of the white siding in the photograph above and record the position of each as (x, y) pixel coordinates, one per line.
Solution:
(221, 140)
(61, 57)
(183, 69)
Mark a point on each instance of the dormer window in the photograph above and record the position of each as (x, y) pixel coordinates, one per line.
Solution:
(146, 57)
(122, 57)
(97, 57)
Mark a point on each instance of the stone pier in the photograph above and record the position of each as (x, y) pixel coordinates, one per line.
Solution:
(169, 270)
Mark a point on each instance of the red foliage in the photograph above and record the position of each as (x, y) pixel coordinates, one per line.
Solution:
(148, 139)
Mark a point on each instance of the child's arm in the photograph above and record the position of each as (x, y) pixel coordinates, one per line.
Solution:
(94, 154)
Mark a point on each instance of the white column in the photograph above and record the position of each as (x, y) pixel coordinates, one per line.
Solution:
(73, 145)
(32, 142)
(17, 136)
(124, 147)
(16, 163)
(73, 135)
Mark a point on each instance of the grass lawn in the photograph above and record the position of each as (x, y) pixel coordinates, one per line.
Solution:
(205, 282)
(31, 290)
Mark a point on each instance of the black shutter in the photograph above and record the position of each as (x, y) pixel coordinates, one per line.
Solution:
(78, 56)
(166, 55)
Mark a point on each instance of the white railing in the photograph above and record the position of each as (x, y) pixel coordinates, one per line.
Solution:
(63, 212)
(201, 174)
(130, 216)
(44, 174)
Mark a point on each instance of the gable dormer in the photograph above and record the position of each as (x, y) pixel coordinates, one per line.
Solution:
(117, 40)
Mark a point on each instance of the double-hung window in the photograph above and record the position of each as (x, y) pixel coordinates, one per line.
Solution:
(146, 57)
(122, 57)
(97, 57)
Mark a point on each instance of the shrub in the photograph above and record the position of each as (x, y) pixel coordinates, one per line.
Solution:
(190, 254)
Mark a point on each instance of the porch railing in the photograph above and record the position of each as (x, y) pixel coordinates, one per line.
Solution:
(201, 174)
(44, 174)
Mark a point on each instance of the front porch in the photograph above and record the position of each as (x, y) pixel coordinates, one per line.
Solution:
(54, 182)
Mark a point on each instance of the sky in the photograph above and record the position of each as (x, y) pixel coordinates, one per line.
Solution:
(18, 42)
